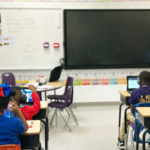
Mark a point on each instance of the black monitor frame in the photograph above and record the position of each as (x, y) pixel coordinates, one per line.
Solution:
(67, 67)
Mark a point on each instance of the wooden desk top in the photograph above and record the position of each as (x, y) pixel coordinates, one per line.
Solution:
(35, 128)
(55, 83)
(44, 104)
(144, 111)
(125, 93)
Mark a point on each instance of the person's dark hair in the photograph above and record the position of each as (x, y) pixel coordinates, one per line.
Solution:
(145, 77)
(18, 94)
(5, 100)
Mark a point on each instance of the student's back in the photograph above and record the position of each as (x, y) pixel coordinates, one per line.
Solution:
(10, 128)
(140, 95)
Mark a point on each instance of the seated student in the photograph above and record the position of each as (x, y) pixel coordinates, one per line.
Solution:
(10, 128)
(28, 111)
(140, 95)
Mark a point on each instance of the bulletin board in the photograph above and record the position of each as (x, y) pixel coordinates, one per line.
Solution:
(22, 35)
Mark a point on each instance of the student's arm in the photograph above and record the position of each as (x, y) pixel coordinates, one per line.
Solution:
(132, 108)
(16, 110)
(34, 109)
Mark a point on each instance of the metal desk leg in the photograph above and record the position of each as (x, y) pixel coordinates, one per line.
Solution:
(45, 96)
(125, 126)
(40, 95)
(137, 136)
(46, 138)
(47, 128)
(146, 131)
(119, 118)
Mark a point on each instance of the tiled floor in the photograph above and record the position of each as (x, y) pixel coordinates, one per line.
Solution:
(98, 130)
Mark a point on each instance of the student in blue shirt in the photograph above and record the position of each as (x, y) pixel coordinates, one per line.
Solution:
(140, 95)
(10, 128)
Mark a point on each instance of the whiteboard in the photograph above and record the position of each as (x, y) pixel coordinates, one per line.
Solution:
(26, 30)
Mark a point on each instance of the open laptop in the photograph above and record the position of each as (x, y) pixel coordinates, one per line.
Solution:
(29, 101)
(132, 83)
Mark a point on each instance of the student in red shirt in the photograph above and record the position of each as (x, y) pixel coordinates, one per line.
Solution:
(28, 111)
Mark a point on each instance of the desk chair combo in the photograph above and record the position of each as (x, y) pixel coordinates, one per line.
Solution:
(63, 102)
(139, 120)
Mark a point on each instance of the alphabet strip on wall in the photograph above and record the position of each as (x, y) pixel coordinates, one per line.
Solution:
(79, 79)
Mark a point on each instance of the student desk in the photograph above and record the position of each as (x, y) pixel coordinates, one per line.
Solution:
(144, 119)
(124, 98)
(31, 138)
(42, 115)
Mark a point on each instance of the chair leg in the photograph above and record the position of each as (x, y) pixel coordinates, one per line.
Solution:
(72, 113)
(64, 120)
(73, 117)
(56, 117)
(68, 114)
(132, 142)
(53, 117)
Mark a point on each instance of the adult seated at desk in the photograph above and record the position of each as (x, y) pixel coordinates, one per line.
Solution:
(10, 128)
(140, 95)
(28, 111)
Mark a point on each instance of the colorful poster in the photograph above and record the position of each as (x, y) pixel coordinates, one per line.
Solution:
(77, 79)
(86, 79)
(20, 80)
(104, 80)
(9, 41)
(95, 79)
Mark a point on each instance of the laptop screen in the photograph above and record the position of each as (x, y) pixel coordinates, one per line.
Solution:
(9, 114)
(28, 94)
(132, 83)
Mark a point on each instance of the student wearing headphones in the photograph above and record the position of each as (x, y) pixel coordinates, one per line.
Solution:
(28, 111)
(10, 128)
(140, 95)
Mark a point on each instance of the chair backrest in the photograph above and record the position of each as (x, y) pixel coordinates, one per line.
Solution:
(55, 74)
(137, 121)
(10, 147)
(8, 78)
(69, 90)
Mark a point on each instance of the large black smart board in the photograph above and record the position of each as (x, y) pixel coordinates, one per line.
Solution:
(106, 39)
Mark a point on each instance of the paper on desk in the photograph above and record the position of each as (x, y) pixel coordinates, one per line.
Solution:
(34, 84)
(46, 87)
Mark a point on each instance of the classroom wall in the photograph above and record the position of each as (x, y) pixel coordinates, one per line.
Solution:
(83, 93)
